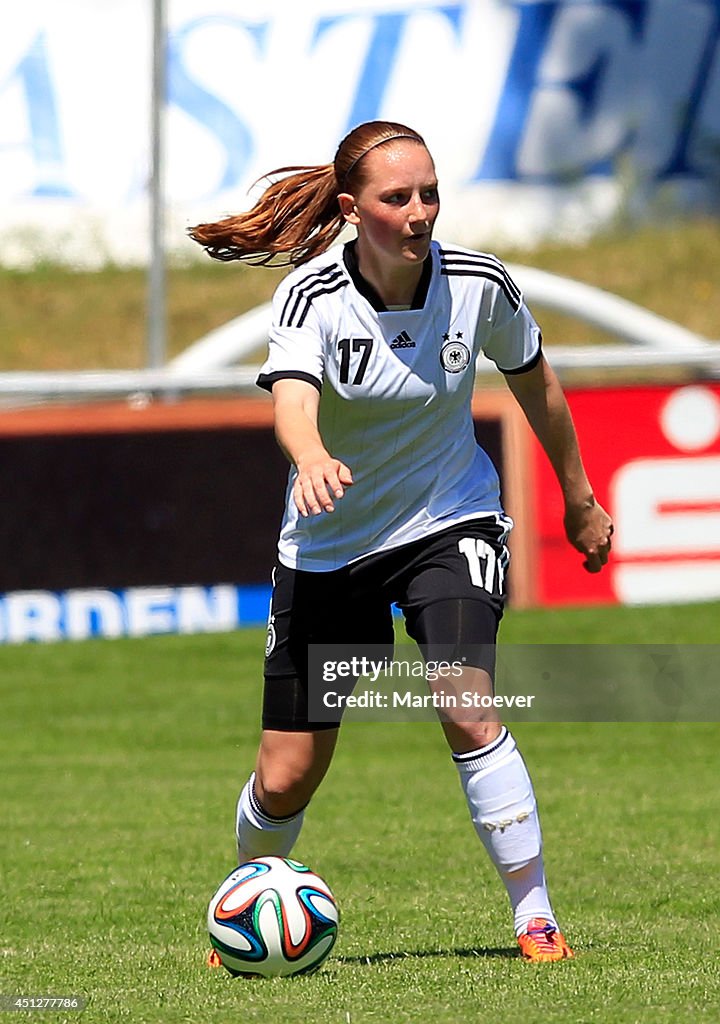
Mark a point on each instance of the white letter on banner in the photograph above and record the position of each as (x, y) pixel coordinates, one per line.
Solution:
(93, 613)
(206, 609)
(32, 615)
(150, 610)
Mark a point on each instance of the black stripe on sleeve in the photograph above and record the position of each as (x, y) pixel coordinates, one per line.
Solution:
(292, 296)
(512, 299)
(327, 290)
(266, 380)
(301, 294)
(462, 264)
(457, 257)
(526, 366)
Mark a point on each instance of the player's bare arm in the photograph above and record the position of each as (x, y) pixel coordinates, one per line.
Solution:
(587, 525)
(320, 477)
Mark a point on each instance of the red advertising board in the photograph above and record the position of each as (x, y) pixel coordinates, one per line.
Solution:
(653, 456)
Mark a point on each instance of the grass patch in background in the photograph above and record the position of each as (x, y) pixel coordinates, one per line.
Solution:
(57, 319)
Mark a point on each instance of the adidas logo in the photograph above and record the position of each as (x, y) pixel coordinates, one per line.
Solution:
(403, 340)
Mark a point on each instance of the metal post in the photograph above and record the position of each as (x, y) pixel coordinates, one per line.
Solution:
(156, 314)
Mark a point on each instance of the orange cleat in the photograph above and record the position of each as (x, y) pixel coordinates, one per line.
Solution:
(542, 942)
(213, 959)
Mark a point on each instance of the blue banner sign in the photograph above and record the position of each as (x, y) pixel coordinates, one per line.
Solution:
(43, 615)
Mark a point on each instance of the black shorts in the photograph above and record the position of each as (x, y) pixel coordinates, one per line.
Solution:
(449, 586)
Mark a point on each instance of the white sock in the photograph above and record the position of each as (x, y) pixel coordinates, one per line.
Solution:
(528, 894)
(502, 806)
(259, 834)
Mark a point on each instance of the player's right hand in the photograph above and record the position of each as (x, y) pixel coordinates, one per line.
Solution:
(319, 483)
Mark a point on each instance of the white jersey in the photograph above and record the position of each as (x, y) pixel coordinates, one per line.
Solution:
(396, 389)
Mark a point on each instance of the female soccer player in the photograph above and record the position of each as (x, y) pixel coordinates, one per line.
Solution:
(390, 498)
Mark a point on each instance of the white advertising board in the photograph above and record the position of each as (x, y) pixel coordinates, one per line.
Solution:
(544, 115)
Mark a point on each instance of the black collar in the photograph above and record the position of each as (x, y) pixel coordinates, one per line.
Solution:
(368, 292)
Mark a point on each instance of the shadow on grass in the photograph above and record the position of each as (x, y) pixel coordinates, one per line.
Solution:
(506, 952)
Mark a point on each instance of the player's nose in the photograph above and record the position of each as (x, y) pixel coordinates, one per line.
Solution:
(418, 212)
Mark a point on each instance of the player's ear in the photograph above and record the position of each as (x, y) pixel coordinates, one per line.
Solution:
(348, 209)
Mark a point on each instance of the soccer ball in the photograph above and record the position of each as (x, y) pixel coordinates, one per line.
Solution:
(273, 917)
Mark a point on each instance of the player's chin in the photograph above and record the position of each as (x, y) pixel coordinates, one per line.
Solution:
(417, 247)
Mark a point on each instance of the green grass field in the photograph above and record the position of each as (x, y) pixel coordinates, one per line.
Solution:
(121, 762)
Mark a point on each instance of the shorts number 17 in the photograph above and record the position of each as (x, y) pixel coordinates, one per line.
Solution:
(483, 564)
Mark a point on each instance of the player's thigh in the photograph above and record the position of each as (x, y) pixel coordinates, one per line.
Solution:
(453, 605)
(454, 593)
(323, 610)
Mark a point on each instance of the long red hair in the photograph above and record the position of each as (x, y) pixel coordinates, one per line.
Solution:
(298, 215)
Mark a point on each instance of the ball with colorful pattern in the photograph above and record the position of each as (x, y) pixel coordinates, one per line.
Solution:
(272, 917)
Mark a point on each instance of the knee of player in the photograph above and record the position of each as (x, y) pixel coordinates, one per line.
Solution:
(474, 735)
(281, 790)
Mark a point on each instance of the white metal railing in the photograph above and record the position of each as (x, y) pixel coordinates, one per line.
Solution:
(241, 379)
(212, 364)
(108, 383)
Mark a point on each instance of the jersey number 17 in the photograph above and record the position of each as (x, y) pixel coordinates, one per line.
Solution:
(346, 345)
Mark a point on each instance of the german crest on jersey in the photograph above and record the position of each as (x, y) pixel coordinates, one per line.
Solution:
(454, 356)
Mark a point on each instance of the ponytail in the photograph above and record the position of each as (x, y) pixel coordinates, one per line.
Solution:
(298, 215)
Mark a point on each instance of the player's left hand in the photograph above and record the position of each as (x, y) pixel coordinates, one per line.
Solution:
(589, 528)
